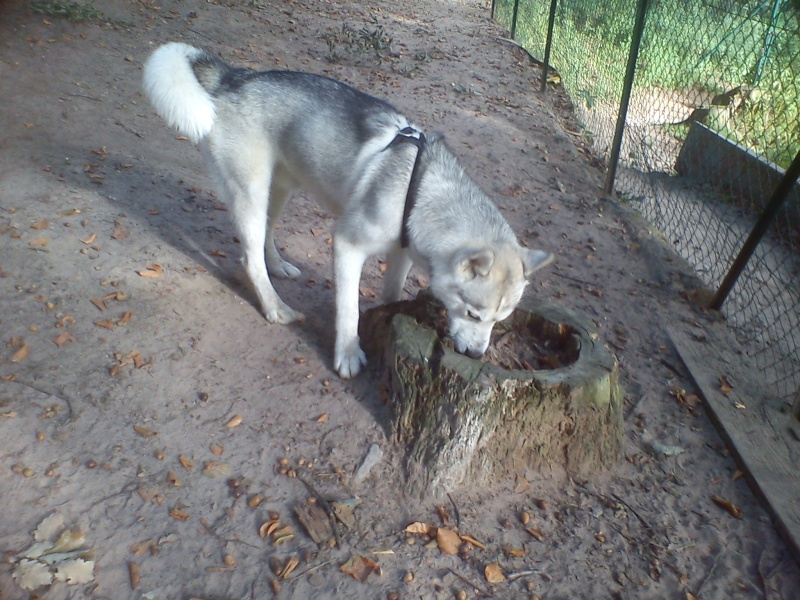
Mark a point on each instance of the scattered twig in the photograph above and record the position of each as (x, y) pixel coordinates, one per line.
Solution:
(310, 569)
(455, 510)
(515, 576)
(477, 588)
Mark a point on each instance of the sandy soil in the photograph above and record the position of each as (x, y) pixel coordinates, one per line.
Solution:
(116, 419)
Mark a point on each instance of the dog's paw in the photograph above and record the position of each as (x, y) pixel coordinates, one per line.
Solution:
(348, 361)
(283, 315)
(284, 270)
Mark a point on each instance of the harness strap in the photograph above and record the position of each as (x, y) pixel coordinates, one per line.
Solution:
(411, 136)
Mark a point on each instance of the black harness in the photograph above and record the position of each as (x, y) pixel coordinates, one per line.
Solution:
(411, 136)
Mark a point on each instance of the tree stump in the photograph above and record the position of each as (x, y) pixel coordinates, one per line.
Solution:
(545, 397)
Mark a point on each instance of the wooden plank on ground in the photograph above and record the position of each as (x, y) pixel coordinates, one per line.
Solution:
(752, 424)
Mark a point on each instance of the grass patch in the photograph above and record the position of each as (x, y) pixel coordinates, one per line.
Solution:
(72, 11)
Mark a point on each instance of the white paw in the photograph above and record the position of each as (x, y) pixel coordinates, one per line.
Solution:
(283, 315)
(349, 360)
(284, 270)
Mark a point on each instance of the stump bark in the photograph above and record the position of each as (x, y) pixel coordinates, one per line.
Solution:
(466, 421)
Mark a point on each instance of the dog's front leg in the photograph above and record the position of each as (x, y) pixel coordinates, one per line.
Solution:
(398, 264)
(348, 261)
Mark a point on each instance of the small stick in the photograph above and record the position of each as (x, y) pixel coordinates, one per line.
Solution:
(480, 590)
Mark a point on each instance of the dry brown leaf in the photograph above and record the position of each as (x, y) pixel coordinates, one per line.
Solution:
(39, 242)
(290, 566)
(21, 353)
(727, 505)
(234, 421)
(99, 303)
(322, 418)
(151, 272)
(493, 573)
(173, 479)
(144, 547)
(536, 534)
(41, 224)
(144, 432)
(513, 552)
(107, 324)
(63, 338)
(215, 469)
(420, 528)
(448, 540)
(133, 572)
(125, 318)
(268, 528)
(471, 540)
(359, 567)
(90, 240)
(120, 233)
(178, 514)
(218, 253)
(217, 449)
(185, 461)
(725, 385)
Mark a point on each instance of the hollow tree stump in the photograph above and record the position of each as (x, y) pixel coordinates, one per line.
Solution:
(468, 421)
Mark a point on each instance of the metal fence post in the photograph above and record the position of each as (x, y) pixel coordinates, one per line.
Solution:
(775, 203)
(514, 20)
(548, 43)
(630, 71)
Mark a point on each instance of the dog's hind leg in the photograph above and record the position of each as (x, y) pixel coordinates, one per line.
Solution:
(247, 188)
(276, 265)
(398, 264)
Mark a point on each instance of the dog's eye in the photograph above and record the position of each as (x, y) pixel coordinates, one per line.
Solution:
(473, 315)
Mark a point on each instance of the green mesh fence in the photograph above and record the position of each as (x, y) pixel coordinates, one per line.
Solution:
(714, 119)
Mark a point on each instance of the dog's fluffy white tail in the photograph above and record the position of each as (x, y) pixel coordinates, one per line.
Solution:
(175, 92)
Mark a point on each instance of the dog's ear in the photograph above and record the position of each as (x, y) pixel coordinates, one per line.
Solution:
(533, 260)
(472, 263)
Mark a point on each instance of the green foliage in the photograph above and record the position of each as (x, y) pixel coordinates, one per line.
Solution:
(696, 48)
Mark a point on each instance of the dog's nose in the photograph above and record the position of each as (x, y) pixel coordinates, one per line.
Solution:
(476, 354)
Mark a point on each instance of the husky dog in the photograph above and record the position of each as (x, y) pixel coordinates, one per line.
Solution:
(395, 192)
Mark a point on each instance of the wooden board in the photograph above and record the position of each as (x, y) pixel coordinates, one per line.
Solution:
(756, 430)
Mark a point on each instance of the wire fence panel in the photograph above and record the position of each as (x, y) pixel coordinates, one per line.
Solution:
(713, 121)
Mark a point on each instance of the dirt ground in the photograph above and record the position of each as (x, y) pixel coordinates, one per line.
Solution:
(131, 346)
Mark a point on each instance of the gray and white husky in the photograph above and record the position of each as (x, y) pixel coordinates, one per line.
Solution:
(395, 192)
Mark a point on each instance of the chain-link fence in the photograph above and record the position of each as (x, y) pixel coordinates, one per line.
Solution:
(713, 120)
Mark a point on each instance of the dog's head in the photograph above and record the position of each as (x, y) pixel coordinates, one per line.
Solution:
(482, 286)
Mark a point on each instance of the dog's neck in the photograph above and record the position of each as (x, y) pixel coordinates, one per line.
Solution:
(410, 135)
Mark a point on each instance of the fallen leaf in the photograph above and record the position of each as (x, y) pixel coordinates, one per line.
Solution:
(217, 449)
(63, 338)
(536, 534)
(42, 224)
(99, 303)
(89, 240)
(727, 505)
(151, 272)
(493, 573)
(359, 568)
(173, 479)
(178, 514)
(20, 354)
(218, 253)
(322, 418)
(448, 540)
(725, 385)
(144, 432)
(513, 552)
(31, 574)
(125, 318)
(268, 528)
(75, 571)
(290, 566)
(133, 573)
(48, 528)
(419, 528)
(106, 324)
(145, 547)
(215, 469)
(234, 421)
(39, 242)
(186, 463)
(68, 541)
(471, 540)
